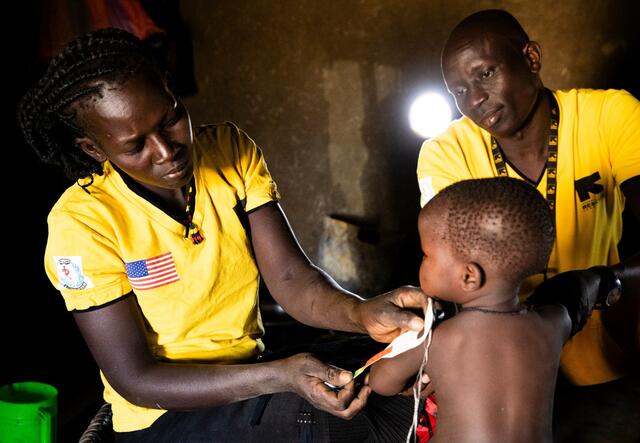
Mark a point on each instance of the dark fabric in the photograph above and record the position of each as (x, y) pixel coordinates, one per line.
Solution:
(389, 418)
(285, 417)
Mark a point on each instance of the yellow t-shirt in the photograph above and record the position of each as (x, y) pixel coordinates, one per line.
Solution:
(598, 149)
(200, 302)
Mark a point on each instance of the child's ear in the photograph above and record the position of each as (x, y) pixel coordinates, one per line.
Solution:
(473, 277)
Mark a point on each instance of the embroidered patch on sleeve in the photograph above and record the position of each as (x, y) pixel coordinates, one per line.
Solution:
(70, 275)
(426, 190)
(152, 272)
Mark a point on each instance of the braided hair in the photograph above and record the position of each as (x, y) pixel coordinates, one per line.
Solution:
(79, 72)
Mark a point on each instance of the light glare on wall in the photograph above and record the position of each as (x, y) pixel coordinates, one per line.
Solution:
(429, 114)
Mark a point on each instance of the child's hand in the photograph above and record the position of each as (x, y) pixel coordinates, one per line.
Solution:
(426, 387)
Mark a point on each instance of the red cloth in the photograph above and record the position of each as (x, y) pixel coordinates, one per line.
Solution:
(63, 20)
(427, 420)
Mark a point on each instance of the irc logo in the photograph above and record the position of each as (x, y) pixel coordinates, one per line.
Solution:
(587, 185)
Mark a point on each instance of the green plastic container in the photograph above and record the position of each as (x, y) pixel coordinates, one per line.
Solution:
(28, 413)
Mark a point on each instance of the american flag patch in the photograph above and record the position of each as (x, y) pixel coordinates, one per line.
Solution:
(152, 272)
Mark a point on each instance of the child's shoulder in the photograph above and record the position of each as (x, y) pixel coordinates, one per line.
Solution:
(555, 318)
(471, 327)
(454, 331)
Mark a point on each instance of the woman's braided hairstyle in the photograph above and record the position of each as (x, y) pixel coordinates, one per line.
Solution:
(79, 72)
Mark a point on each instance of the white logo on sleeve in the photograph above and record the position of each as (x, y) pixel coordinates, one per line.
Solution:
(426, 190)
(70, 276)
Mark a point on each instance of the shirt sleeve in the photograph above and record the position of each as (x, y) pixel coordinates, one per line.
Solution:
(260, 188)
(622, 130)
(82, 263)
(439, 165)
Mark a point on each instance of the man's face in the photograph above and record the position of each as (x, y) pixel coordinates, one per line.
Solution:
(491, 81)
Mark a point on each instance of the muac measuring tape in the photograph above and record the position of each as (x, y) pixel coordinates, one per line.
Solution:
(403, 342)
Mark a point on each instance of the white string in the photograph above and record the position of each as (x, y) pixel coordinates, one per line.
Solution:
(416, 388)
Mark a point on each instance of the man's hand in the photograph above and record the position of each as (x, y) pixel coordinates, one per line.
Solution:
(306, 377)
(577, 291)
(384, 317)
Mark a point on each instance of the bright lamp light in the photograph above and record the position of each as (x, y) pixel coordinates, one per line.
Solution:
(429, 114)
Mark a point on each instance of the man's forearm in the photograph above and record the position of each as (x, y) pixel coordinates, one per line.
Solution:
(628, 272)
(622, 321)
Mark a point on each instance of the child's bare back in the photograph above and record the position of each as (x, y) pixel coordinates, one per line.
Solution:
(494, 374)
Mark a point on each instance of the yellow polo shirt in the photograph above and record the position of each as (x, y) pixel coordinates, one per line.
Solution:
(598, 149)
(200, 302)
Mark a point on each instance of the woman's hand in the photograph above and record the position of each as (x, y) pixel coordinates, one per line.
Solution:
(386, 316)
(306, 376)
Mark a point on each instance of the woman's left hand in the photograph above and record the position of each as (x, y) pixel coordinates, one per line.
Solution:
(386, 316)
(326, 387)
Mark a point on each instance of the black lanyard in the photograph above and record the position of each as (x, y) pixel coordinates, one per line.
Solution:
(192, 231)
(552, 154)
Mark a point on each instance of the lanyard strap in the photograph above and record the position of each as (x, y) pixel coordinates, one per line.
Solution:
(552, 154)
(192, 231)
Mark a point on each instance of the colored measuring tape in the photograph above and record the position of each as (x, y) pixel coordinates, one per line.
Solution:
(403, 342)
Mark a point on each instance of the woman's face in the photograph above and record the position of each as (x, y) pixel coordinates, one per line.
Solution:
(141, 128)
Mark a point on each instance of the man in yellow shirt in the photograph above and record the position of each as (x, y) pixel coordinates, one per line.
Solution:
(580, 148)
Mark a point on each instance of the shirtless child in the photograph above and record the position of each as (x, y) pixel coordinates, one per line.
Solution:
(493, 365)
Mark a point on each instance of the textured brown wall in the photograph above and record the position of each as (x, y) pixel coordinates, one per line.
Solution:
(324, 86)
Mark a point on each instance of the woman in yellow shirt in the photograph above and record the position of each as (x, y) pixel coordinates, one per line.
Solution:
(158, 248)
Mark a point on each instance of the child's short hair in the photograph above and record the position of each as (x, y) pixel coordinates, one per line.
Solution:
(503, 219)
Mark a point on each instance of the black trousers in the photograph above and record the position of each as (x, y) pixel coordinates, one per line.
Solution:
(282, 417)
(285, 417)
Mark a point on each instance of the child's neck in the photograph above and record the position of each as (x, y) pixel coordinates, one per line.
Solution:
(496, 299)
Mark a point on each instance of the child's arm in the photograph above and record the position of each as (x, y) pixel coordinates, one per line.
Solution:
(390, 376)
